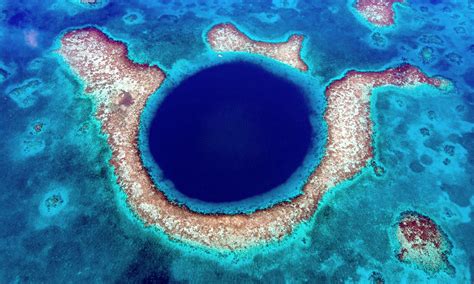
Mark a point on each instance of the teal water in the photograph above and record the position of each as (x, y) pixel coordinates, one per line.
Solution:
(424, 141)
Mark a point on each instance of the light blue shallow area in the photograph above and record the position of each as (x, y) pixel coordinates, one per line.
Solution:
(92, 236)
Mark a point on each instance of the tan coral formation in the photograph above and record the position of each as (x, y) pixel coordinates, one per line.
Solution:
(379, 13)
(120, 88)
(423, 243)
(226, 37)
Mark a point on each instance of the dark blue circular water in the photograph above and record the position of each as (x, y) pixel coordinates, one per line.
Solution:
(231, 132)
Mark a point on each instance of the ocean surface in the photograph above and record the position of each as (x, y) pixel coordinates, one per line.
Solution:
(64, 217)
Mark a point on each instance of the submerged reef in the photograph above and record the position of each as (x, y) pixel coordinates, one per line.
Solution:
(23, 94)
(377, 12)
(4, 73)
(53, 202)
(226, 37)
(423, 243)
(121, 88)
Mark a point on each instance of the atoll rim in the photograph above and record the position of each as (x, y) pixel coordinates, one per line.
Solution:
(122, 97)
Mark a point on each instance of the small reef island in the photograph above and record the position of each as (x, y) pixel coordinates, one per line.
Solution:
(423, 243)
(120, 89)
(377, 13)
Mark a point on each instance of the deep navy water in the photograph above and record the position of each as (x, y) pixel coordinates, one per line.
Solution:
(425, 142)
(230, 132)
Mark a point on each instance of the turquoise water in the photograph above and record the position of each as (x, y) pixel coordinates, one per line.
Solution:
(424, 141)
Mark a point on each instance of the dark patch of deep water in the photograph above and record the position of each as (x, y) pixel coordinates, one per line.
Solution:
(231, 132)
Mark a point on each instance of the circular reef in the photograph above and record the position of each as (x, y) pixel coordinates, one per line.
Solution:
(120, 89)
(230, 135)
